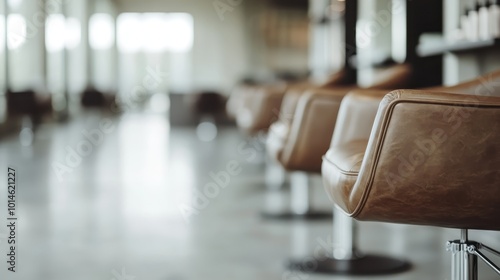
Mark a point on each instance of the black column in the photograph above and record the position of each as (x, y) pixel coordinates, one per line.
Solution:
(351, 17)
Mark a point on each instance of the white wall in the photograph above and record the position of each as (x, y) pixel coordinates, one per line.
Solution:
(219, 56)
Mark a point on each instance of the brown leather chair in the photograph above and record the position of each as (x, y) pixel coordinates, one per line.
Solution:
(256, 107)
(302, 135)
(415, 157)
(304, 115)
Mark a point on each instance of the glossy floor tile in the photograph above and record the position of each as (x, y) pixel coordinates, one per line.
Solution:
(130, 197)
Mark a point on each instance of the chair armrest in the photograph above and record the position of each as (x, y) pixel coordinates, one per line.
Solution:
(431, 154)
(311, 129)
(356, 115)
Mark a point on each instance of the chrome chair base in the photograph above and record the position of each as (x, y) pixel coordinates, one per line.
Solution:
(366, 265)
(345, 259)
(465, 255)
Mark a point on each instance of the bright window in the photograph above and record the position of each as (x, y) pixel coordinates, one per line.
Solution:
(101, 28)
(155, 32)
(73, 33)
(154, 26)
(16, 28)
(180, 32)
(54, 38)
(129, 32)
(62, 32)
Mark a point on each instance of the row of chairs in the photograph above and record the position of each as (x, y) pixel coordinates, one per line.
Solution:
(386, 154)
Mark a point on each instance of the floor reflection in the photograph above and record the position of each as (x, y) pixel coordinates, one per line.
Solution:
(119, 210)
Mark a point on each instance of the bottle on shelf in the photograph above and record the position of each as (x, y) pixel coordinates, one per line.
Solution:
(473, 21)
(464, 24)
(494, 19)
(483, 20)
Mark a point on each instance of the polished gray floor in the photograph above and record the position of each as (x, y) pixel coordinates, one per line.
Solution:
(126, 210)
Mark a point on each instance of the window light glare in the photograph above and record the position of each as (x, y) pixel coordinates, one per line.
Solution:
(180, 35)
(101, 27)
(155, 32)
(73, 33)
(16, 31)
(55, 29)
(154, 27)
(129, 32)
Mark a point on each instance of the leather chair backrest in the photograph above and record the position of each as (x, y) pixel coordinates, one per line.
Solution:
(486, 85)
(336, 79)
(393, 77)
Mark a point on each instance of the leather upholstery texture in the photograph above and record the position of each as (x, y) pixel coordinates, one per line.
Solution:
(430, 157)
(300, 138)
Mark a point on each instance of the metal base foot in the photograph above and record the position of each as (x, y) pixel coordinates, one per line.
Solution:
(367, 265)
(309, 216)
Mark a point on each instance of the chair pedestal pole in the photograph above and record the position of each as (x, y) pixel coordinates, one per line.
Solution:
(345, 258)
(300, 204)
(463, 264)
(300, 193)
(275, 176)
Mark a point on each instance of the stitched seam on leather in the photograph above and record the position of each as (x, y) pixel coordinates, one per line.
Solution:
(292, 139)
(385, 124)
(341, 170)
(356, 163)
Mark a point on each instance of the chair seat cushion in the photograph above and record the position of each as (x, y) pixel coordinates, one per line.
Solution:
(340, 171)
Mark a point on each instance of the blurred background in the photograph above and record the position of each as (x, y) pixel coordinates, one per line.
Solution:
(113, 113)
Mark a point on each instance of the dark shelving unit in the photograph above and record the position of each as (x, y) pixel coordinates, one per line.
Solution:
(427, 71)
